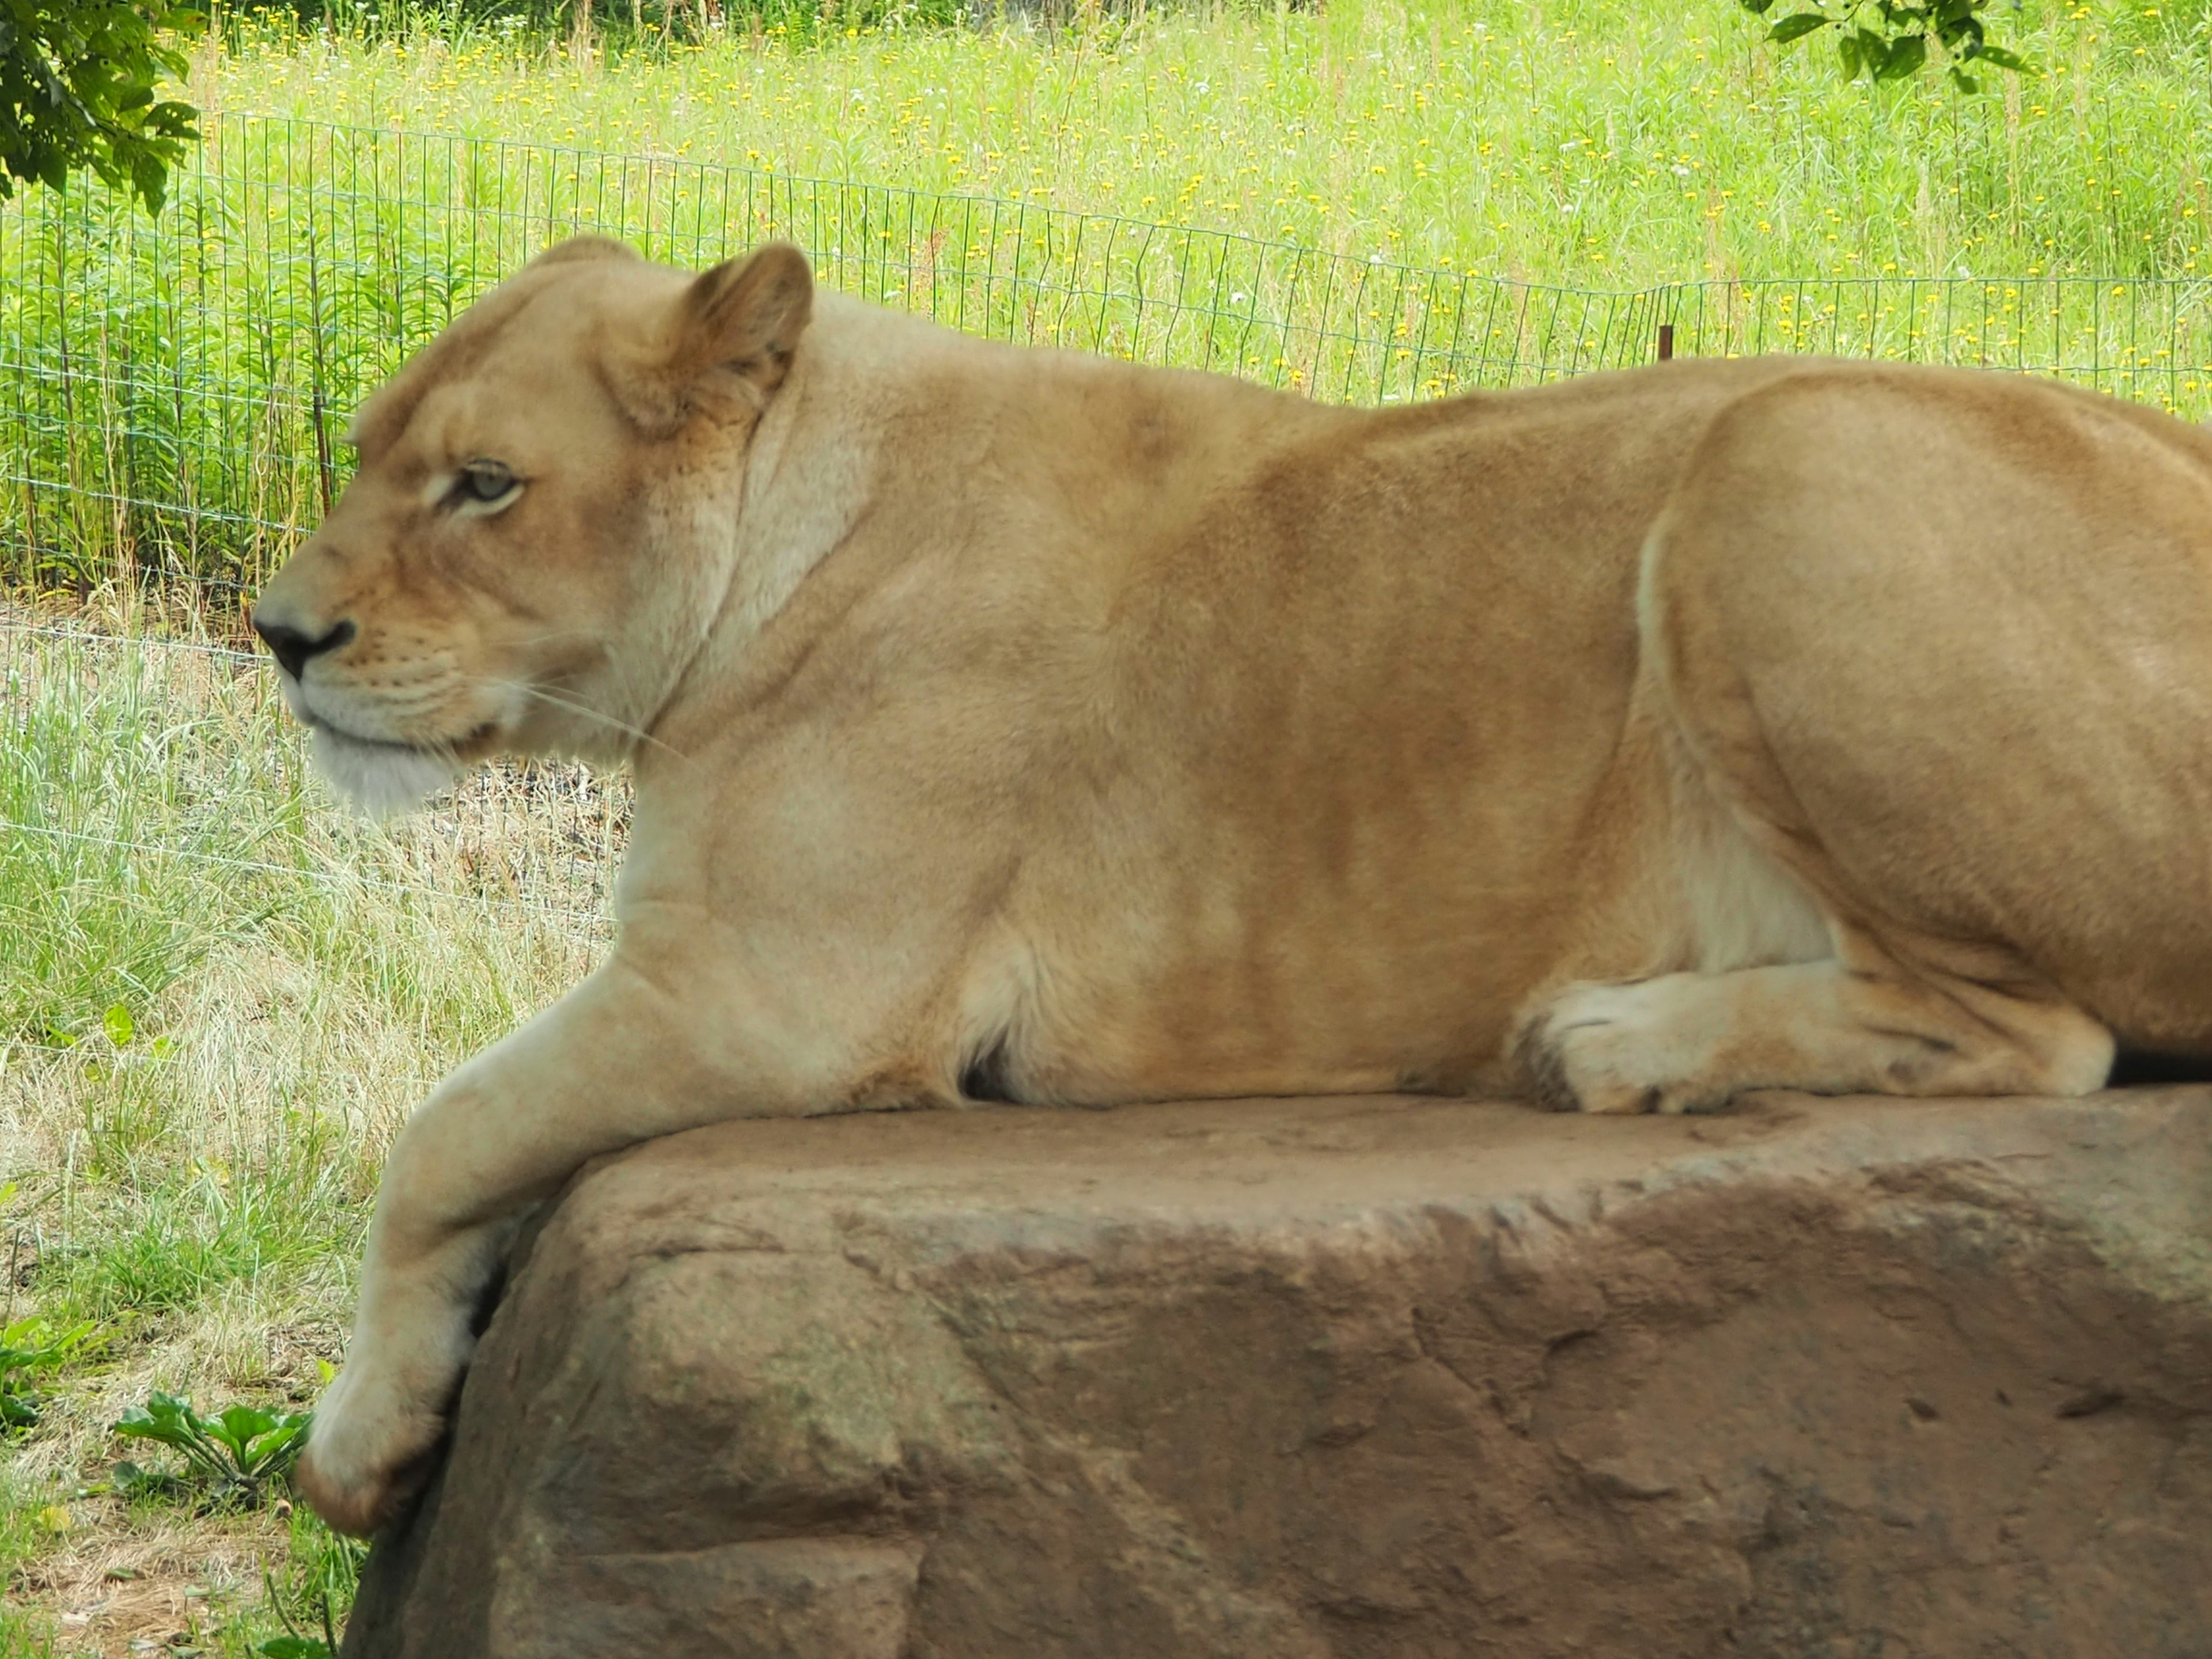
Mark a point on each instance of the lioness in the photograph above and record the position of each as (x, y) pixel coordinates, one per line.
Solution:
(1018, 725)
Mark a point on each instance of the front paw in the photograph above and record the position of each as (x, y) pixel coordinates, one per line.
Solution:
(370, 1449)
(1619, 1048)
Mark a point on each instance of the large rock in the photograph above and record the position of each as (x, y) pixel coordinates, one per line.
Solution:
(1285, 1378)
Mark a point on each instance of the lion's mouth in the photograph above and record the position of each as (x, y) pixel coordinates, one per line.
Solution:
(464, 747)
(382, 777)
(385, 777)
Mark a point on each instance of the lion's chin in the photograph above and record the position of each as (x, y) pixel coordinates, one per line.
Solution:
(379, 779)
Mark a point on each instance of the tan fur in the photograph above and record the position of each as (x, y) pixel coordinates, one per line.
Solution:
(1095, 733)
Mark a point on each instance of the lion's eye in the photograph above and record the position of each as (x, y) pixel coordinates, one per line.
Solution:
(483, 484)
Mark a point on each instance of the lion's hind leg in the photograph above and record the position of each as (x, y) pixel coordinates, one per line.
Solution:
(1773, 987)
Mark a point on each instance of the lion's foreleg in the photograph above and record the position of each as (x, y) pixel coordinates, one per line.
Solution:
(614, 1062)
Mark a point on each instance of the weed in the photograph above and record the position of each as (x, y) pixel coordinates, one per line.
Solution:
(234, 1458)
(308, 1602)
(296, 1643)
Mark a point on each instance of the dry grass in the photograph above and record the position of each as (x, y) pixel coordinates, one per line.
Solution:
(128, 1580)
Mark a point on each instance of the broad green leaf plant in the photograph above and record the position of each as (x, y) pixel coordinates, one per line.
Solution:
(235, 1456)
(30, 1348)
(1889, 40)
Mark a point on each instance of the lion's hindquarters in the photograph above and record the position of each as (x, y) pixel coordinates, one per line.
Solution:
(1966, 709)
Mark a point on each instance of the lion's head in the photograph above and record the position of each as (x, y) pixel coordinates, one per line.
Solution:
(528, 555)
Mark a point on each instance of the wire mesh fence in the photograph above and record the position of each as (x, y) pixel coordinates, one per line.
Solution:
(172, 391)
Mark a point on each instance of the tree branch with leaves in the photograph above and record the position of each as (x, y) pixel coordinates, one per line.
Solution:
(78, 85)
(1886, 40)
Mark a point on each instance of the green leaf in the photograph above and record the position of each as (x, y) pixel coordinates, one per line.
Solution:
(118, 1023)
(1797, 26)
(256, 1440)
(1847, 49)
(2003, 59)
(1964, 37)
(132, 1481)
(275, 1452)
(236, 1425)
(164, 1418)
(36, 1344)
(1906, 58)
(1964, 82)
(294, 1647)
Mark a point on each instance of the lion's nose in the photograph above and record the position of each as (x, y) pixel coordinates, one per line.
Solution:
(291, 648)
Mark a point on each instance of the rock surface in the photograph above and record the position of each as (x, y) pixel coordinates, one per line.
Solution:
(1282, 1379)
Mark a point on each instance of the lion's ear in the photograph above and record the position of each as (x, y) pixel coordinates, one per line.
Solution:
(746, 315)
(733, 329)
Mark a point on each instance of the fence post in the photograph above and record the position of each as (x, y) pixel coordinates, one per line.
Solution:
(1666, 342)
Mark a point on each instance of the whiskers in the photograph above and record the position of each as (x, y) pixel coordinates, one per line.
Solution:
(637, 736)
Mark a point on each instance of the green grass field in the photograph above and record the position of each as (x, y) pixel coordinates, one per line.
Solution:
(1586, 142)
(218, 995)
